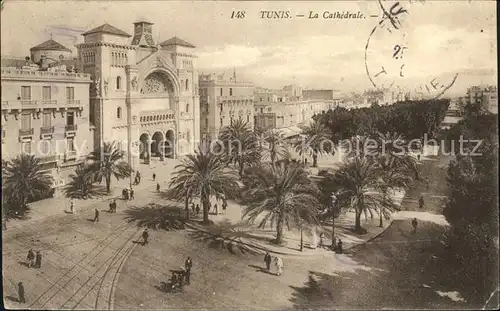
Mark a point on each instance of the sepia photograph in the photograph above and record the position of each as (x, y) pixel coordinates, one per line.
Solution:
(249, 155)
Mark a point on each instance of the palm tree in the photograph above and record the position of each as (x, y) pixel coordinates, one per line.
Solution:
(392, 177)
(276, 148)
(180, 192)
(316, 137)
(203, 174)
(358, 179)
(283, 194)
(23, 181)
(81, 185)
(241, 144)
(107, 162)
(396, 147)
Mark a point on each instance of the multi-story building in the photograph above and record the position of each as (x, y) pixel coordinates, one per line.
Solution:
(318, 94)
(45, 112)
(487, 96)
(223, 100)
(143, 96)
(292, 91)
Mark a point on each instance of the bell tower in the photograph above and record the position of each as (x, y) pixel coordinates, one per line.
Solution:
(143, 34)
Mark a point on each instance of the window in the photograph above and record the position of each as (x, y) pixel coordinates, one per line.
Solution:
(230, 91)
(70, 144)
(187, 84)
(220, 91)
(119, 112)
(70, 118)
(118, 82)
(187, 107)
(47, 120)
(46, 93)
(25, 92)
(70, 93)
(45, 147)
(26, 147)
(26, 121)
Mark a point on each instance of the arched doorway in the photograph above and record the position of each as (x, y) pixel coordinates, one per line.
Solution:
(144, 148)
(170, 144)
(157, 145)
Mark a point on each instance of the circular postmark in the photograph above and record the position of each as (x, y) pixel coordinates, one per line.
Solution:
(392, 59)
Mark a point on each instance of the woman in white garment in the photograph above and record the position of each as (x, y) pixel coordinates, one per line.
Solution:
(279, 265)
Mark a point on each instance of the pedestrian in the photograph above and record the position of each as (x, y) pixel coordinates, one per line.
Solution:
(188, 264)
(71, 207)
(224, 207)
(418, 156)
(197, 209)
(414, 223)
(321, 238)
(145, 236)
(113, 207)
(305, 161)
(279, 265)
(193, 207)
(20, 292)
(38, 260)
(267, 260)
(154, 176)
(96, 216)
(339, 248)
(158, 187)
(110, 207)
(421, 202)
(216, 209)
(131, 194)
(30, 258)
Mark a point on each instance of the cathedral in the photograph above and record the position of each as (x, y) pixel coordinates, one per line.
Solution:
(144, 96)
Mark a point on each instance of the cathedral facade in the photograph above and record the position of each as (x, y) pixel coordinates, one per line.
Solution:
(144, 97)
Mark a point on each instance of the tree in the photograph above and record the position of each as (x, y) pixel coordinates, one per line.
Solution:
(24, 181)
(275, 148)
(394, 150)
(107, 162)
(241, 145)
(282, 194)
(203, 174)
(316, 137)
(358, 179)
(81, 185)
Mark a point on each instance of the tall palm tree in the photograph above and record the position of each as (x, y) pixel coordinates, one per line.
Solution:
(81, 185)
(276, 148)
(358, 179)
(23, 181)
(180, 192)
(282, 194)
(392, 177)
(107, 162)
(316, 137)
(241, 145)
(203, 174)
(397, 148)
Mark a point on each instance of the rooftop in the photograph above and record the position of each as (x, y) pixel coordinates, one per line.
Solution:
(177, 41)
(107, 28)
(50, 45)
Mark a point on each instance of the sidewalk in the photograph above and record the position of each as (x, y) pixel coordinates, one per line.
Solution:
(55, 207)
(231, 227)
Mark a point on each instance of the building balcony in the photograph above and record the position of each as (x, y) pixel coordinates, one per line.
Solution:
(71, 128)
(10, 73)
(73, 103)
(69, 155)
(49, 158)
(157, 116)
(47, 130)
(26, 132)
(28, 103)
(49, 103)
(235, 98)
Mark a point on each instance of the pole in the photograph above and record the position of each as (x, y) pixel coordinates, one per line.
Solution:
(129, 138)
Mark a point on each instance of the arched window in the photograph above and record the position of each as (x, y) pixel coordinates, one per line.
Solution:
(119, 112)
(187, 84)
(187, 107)
(118, 82)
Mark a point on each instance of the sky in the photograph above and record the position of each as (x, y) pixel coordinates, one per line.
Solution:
(444, 38)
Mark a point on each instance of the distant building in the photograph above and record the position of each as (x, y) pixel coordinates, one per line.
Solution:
(45, 109)
(222, 100)
(318, 94)
(292, 91)
(487, 96)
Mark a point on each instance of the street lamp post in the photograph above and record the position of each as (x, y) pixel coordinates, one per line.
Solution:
(334, 203)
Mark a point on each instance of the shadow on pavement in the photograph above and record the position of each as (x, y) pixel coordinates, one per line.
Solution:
(23, 263)
(156, 216)
(261, 269)
(12, 298)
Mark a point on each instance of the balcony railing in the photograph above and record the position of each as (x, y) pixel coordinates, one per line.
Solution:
(26, 132)
(71, 128)
(73, 103)
(49, 102)
(28, 102)
(49, 158)
(46, 130)
(70, 154)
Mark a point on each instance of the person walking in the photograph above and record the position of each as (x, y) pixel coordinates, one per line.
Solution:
(188, 264)
(197, 209)
(96, 215)
(216, 209)
(224, 207)
(113, 206)
(71, 207)
(154, 176)
(38, 260)
(145, 236)
(321, 238)
(30, 258)
(279, 265)
(110, 207)
(131, 194)
(193, 207)
(339, 248)
(267, 260)
(414, 223)
(158, 187)
(421, 202)
(20, 292)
